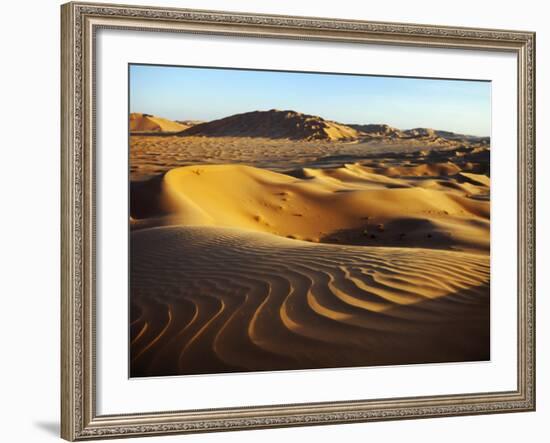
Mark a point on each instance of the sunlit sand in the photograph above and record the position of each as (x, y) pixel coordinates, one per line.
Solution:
(343, 246)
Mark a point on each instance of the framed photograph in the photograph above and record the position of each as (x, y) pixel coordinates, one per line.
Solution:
(282, 221)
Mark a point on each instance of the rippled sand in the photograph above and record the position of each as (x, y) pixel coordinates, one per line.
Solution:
(209, 300)
(153, 155)
(259, 255)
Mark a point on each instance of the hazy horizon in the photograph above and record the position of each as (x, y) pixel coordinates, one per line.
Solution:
(190, 93)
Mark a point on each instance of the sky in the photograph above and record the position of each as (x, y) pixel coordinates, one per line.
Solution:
(190, 93)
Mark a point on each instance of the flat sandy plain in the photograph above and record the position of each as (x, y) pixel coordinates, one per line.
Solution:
(264, 253)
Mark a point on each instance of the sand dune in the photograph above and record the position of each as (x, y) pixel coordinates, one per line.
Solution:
(351, 204)
(210, 299)
(293, 125)
(377, 130)
(296, 126)
(285, 241)
(150, 124)
(383, 131)
(275, 124)
(152, 155)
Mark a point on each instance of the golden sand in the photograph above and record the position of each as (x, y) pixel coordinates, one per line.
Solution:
(256, 254)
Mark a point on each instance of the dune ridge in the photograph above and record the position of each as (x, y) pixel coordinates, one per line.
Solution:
(268, 249)
(155, 154)
(293, 125)
(353, 204)
(297, 126)
(210, 299)
(274, 124)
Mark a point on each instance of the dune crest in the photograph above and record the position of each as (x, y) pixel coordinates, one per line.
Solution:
(274, 124)
(279, 241)
(351, 205)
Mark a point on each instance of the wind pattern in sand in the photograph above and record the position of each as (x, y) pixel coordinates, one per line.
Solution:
(338, 247)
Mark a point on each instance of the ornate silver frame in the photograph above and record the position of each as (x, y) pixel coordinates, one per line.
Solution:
(80, 21)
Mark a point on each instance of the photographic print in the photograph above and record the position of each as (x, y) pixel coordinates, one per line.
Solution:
(300, 220)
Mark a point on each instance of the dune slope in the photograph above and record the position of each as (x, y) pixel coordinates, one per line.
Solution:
(253, 254)
(275, 124)
(210, 299)
(353, 204)
(150, 123)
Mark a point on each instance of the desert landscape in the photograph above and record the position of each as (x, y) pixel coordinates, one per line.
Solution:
(277, 240)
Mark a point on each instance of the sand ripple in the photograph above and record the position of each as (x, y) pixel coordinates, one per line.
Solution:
(211, 300)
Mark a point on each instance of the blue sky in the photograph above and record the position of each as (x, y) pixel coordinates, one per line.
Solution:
(182, 93)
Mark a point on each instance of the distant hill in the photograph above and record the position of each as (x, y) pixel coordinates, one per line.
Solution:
(149, 123)
(420, 133)
(274, 124)
(387, 131)
(377, 130)
(292, 125)
(471, 138)
(190, 123)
